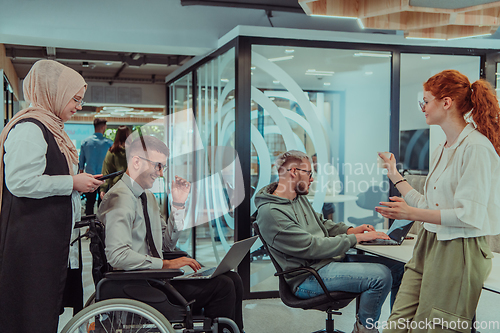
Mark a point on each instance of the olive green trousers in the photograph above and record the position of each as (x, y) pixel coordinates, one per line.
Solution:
(441, 285)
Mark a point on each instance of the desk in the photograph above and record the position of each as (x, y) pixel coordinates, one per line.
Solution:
(404, 253)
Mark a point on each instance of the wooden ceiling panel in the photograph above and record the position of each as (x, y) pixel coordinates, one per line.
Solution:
(424, 22)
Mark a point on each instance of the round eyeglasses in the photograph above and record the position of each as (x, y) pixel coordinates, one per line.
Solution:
(79, 101)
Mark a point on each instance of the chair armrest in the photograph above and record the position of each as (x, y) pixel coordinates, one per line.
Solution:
(84, 221)
(159, 274)
(174, 255)
(314, 273)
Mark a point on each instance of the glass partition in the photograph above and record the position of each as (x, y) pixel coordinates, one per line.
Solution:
(417, 139)
(326, 102)
(202, 149)
(180, 113)
(215, 119)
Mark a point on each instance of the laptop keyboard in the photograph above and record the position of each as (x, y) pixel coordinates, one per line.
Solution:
(386, 242)
(206, 272)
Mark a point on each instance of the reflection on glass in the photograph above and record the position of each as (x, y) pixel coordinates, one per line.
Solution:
(332, 103)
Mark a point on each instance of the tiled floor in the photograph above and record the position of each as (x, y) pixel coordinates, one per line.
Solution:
(271, 315)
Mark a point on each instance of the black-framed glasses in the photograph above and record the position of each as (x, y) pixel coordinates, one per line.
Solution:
(156, 165)
(79, 101)
(309, 172)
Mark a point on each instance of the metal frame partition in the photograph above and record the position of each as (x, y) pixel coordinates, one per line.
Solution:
(243, 62)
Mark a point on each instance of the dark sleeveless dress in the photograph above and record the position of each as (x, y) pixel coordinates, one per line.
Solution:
(34, 249)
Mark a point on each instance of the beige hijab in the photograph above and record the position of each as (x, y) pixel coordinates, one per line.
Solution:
(49, 86)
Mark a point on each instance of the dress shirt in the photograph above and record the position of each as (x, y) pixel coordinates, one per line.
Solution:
(464, 184)
(92, 153)
(122, 213)
(24, 164)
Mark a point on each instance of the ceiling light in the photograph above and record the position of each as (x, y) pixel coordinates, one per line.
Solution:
(333, 16)
(281, 58)
(319, 73)
(373, 54)
(276, 82)
(85, 64)
(272, 98)
(326, 83)
(464, 37)
(424, 38)
(253, 67)
(224, 80)
(117, 109)
(426, 57)
(368, 73)
(108, 63)
(360, 23)
(289, 51)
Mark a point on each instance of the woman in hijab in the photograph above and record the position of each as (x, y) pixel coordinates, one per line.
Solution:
(40, 199)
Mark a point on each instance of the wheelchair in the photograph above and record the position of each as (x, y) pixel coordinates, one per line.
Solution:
(136, 301)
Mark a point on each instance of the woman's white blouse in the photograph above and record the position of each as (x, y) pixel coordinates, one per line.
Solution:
(464, 184)
(24, 164)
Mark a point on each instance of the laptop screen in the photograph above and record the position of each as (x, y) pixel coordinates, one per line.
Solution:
(399, 229)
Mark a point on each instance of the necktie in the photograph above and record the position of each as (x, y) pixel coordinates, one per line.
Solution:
(149, 235)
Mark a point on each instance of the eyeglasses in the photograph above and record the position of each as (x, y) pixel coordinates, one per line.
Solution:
(309, 172)
(156, 165)
(79, 101)
(423, 104)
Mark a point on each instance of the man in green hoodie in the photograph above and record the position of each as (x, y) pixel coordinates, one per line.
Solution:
(297, 236)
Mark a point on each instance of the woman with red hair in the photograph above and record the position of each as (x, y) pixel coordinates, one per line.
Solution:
(460, 206)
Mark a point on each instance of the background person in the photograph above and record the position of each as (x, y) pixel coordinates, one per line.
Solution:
(40, 200)
(115, 159)
(332, 185)
(300, 237)
(92, 153)
(127, 246)
(460, 204)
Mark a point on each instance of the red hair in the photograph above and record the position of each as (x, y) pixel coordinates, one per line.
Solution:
(478, 97)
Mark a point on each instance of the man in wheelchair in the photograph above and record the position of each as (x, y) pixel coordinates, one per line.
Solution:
(135, 231)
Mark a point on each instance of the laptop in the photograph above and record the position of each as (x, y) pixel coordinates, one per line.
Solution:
(230, 261)
(397, 233)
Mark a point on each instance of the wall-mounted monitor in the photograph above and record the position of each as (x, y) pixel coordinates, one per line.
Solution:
(414, 149)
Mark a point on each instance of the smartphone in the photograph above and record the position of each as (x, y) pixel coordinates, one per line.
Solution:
(111, 175)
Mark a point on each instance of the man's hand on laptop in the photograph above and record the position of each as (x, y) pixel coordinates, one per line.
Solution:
(361, 229)
(371, 235)
(180, 262)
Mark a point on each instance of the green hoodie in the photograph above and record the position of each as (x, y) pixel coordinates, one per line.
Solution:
(297, 236)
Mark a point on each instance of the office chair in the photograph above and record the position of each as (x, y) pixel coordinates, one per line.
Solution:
(330, 302)
(136, 301)
(369, 200)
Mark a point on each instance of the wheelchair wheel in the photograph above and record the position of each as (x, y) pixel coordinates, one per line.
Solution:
(118, 315)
